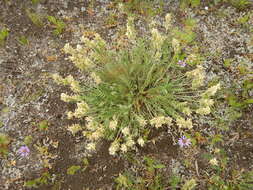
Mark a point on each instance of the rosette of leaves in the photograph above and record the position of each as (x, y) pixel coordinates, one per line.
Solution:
(136, 87)
(4, 142)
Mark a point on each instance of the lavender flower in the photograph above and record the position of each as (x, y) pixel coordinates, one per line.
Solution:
(24, 151)
(181, 63)
(184, 142)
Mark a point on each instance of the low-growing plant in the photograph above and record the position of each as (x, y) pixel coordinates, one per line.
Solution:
(241, 4)
(36, 18)
(35, 1)
(4, 33)
(73, 169)
(189, 3)
(144, 7)
(146, 83)
(43, 125)
(150, 178)
(243, 99)
(43, 180)
(23, 40)
(58, 24)
(28, 140)
(4, 142)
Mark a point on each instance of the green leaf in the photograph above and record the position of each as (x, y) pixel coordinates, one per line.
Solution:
(43, 125)
(28, 140)
(73, 169)
(31, 183)
(159, 166)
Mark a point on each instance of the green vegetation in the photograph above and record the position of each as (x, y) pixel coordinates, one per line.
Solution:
(146, 87)
(43, 125)
(43, 180)
(4, 33)
(73, 169)
(241, 4)
(144, 7)
(189, 3)
(4, 142)
(58, 24)
(1, 124)
(23, 40)
(150, 177)
(28, 140)
(35, 2)
(243, 99)
(141, 86)
(35, 18)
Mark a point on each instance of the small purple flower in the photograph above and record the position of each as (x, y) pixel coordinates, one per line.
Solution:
(184, 142)
(181, 63)
(24, 151)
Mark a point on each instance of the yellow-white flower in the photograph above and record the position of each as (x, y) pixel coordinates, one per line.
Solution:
(74, 85)
(58, 79)
(114, 148)
(74, 128)
(125, 131)
(183, 123)
(97, 134)
(160, 120)
(91, 146)
(141, 121)
(206, 102)
(197, 76)
(141, 142)
(212, 90)
(82, 108)
(187, 111)
(131, 34)
(214, 162)
(96, 78)
(113, 124)
(66, 98)
(175, 44)
(157, 41)
(123, 148)
(130, 142)
(203, 111)
(167, 23)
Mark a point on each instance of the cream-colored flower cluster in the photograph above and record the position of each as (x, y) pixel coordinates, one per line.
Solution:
(68, 98)
(212, 90)
(69, 80)
(184, 123)
(80, 111)
(197, 75)
(157, 42)
(85, 56)
(160, 120)
(131, 33)
(167, 24)
(115, 146)
(124, 147)
(74, 128)
(175, 45)
(113, 124)
(141, 121)
(93, 132)
(205, 102)
(96, 78)
(78, 56)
